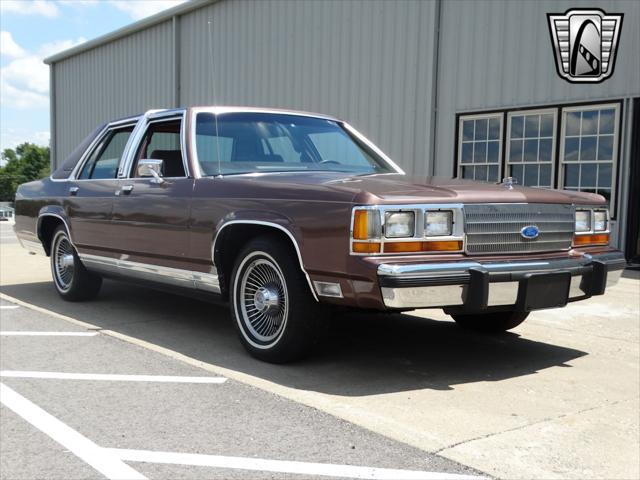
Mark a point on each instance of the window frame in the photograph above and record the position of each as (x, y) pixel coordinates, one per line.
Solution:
(507, 140)
(133, 159)
(460, 132)
(614, 153)
(98, 143)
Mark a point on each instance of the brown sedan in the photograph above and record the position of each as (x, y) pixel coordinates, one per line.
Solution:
(285, 214)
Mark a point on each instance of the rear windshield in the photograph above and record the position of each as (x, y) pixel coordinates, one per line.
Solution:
(265, 142)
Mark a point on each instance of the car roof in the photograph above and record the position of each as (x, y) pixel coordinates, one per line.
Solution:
(244, 109)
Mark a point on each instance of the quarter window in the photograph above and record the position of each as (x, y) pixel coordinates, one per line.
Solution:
(104, 160)
(480, 147)
(588, 151)
(530, 147)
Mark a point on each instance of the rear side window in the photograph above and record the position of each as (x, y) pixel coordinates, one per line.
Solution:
(104, 160)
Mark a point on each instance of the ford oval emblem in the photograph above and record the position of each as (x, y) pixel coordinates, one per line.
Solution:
(530, 232)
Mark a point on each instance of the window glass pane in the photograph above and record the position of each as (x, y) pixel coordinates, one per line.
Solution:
(588, 148)
(544, 151)
(516, 172)
(545, 176)
(481, 173)
(571, 148)
(546, 125)
(480, 152)
(493, 173)
(588, 175)
(494, 128)
(530, 174)
(571, 175)
(604, 175)
(607, 121)
(606, 193)
(605, 147)
(467, 152)
(104, 161)
(589, 122)
(531, 126)
(467, 130)
(492, 152)
(531, 150)
(517, 126)
(515, 151)
(481, 129)
(572, 123)
(467, 172)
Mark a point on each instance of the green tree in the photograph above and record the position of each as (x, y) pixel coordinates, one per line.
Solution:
(26, 163)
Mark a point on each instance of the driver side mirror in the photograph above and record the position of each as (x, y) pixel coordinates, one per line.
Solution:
(151, 167)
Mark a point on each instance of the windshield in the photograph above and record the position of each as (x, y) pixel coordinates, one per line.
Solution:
(246, 142)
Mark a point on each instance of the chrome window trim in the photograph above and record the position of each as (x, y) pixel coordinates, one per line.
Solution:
(457, 234)
(268, 224)
(149, 118)
(99, 138)
(220, 110)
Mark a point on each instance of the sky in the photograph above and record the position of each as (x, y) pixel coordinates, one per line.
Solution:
(31, 30)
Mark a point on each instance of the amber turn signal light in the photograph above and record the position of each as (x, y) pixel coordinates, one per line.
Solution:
(361, 225)
(414, 247)
(365, 247)
(597, 239)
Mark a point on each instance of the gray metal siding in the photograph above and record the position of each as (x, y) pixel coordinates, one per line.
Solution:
(367, 62)
(496, 54)
(125, 77)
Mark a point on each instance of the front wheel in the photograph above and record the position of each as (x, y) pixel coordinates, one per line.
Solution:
(493, 322)
(72, 280)
(277, 318)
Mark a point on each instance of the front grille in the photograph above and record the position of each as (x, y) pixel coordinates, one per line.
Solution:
(495, 228)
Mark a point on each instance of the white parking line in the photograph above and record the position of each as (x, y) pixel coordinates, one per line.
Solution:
(7, 333)
(110, 377)
(8, 307)
(104, 461)
(281, 466)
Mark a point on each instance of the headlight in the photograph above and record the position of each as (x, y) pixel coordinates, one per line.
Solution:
(583, 221)
(600, 221)
(438, 224)
(399, 224)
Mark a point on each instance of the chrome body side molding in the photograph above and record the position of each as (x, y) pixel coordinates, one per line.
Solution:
(156, 273)
(273, 225)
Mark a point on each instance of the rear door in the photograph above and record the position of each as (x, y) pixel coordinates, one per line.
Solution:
(151, 219)
(89, 200)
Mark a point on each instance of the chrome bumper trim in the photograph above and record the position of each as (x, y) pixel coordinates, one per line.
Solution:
(440, 285)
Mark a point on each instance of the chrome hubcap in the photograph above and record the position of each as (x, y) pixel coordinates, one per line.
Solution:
(263, 299)
(63, 262)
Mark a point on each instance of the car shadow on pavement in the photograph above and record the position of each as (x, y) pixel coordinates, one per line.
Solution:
(365, 354)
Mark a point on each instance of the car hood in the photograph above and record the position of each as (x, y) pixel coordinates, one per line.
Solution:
(403, 189)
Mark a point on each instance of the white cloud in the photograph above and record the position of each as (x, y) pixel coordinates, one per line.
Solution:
(138, 9)
(24, 82)
(8, 46)
(11, 137)
(30, 7)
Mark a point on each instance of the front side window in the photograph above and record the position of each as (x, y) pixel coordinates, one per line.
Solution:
(479, 147)
(162, 142)
(247, 142)
(530, 147)
(588, 150)
(104, 160)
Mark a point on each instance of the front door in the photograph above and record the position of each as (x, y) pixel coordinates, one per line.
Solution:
(151, 217)
(89, 200)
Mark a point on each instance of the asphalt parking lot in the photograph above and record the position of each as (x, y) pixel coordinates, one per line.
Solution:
(145, 383)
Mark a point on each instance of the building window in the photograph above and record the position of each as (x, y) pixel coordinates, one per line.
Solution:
(479, 147)
(588, 151)
(531, 147)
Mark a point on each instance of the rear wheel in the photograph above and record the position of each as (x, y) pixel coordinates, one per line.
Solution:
(72, 280)
(276, 317)
(493, 322)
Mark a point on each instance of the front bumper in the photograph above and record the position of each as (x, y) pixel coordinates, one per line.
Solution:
(521, 285)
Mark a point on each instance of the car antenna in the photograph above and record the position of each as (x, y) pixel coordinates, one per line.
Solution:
(215, 98)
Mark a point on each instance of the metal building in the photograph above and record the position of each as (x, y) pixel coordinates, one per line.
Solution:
(443, 86)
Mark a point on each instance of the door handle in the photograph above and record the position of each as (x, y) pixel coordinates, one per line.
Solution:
(125, 190)
(73, 191)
